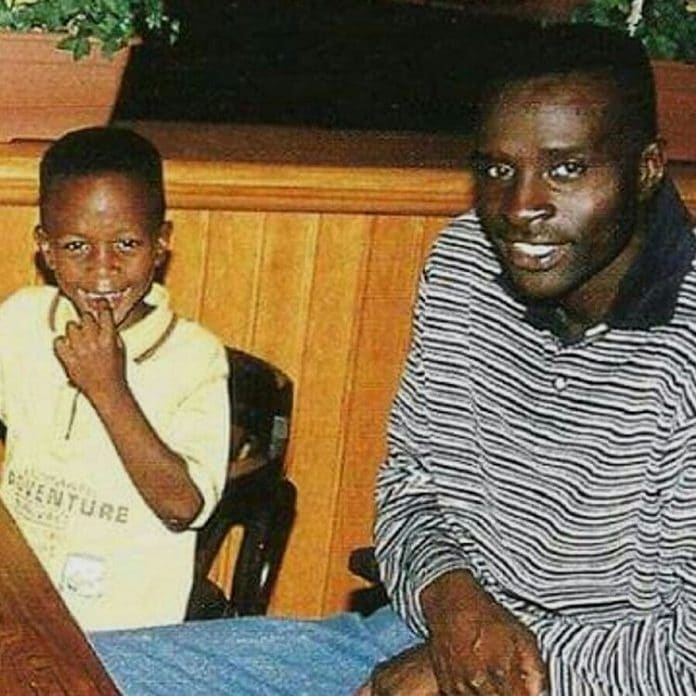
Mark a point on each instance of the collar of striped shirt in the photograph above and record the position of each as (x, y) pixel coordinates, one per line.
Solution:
(648, 293)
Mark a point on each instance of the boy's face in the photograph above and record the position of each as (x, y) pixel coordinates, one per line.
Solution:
(98, 237)
(558, 195)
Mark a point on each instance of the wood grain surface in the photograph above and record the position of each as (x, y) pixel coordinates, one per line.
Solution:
(42, 651)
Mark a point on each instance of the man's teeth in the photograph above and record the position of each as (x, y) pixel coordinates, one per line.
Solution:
(535, 249)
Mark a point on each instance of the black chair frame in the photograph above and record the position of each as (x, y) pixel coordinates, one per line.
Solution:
(257, 496)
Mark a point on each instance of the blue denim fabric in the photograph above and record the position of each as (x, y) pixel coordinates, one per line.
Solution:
(259, 656)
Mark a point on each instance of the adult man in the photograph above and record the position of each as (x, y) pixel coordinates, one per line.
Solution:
(533, 511)
(534, 518)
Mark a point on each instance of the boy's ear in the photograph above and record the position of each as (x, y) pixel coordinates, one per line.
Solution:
(162, 242)
(44, 247)
(652, 169)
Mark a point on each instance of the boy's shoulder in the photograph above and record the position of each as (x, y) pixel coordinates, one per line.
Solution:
(193, 334)
(33, 300)
(192, 345)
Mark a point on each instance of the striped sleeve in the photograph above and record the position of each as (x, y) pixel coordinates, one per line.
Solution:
(413, 542)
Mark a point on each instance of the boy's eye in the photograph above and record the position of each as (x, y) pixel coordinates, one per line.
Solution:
(127, 244)
(74, 246)
(497, 170)
(567, 171)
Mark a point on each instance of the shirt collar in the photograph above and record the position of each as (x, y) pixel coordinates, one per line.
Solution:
(648, 292)
(143, 338)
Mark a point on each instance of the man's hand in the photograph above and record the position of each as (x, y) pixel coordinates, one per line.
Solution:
(477, 647)
(408, 674)
(92, 353)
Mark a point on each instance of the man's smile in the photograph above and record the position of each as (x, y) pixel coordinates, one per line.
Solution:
(530, 256)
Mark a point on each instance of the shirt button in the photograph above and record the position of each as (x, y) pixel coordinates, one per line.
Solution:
(560, 383)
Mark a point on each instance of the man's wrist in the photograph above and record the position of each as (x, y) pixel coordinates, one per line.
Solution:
(450, 591)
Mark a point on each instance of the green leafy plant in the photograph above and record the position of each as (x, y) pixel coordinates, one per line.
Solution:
(110, 23)
(666, 27)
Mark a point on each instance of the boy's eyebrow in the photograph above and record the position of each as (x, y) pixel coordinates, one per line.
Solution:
(63, 235)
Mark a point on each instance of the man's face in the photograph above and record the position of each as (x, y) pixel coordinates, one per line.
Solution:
(557, 195)
(98, 238)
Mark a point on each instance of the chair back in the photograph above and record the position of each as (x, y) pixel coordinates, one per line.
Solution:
(257, 495)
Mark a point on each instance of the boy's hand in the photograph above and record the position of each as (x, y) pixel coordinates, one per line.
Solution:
(93, 356)
(92, 353)
(477, 647)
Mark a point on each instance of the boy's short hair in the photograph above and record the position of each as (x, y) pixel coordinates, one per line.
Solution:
(101, 150)
(589, 49)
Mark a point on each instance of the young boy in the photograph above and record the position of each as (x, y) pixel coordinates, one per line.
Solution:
(116, 409)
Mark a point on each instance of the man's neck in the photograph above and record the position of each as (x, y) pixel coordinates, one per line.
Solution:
(593, 303)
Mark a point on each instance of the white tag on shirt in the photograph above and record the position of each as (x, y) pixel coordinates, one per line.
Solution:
(84, 576)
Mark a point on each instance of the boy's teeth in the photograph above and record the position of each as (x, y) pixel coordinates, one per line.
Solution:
(110, 297)
(534, 249)
(99, 295)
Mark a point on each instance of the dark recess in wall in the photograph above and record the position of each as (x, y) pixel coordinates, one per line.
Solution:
(359, 64)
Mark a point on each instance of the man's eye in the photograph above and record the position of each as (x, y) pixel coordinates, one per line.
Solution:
(567, 171)
(498, 170)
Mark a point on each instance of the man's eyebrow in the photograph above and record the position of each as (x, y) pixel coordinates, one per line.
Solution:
(482, 157)
(478, 157)
(569, 151)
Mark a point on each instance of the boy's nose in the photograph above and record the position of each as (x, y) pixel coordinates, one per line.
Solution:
(105, 261)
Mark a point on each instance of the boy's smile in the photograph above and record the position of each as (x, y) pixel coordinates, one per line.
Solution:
(98, 237)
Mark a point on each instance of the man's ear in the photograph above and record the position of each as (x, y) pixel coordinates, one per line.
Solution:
(162, 239)
(44, 246)
(652, 169)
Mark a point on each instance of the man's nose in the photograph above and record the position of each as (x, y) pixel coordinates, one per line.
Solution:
(528, 201)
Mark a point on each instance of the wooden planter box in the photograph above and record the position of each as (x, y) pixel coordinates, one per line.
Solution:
(44, 92)
(676, 107)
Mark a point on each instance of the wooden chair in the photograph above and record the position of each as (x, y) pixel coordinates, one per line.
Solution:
(258, 497)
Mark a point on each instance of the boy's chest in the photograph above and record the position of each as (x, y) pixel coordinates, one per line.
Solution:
(45, 408)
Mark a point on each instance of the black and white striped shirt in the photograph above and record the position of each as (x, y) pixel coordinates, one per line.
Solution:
(562, 474)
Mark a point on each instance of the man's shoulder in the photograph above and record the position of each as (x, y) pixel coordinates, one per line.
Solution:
(465, 226)
(462, 249)
(462, 236)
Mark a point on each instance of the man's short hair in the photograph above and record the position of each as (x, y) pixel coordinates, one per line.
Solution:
(104, 150)
(589, 49)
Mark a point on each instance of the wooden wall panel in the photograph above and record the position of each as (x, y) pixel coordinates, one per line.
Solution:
(321, 383)
(185, 273)
(16, 261)
(285, 276)
(395, 261)
(235, 245)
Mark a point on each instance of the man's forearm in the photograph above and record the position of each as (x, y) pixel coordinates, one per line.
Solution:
(459, 584)
(413, 550)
